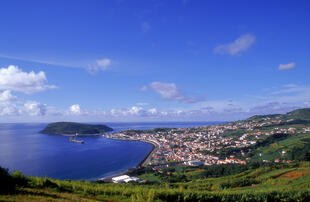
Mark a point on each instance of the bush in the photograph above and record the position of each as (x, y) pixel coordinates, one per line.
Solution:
(6, 182)
(20, 179)
(38, 182)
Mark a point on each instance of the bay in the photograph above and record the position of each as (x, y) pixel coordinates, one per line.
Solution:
(23, 148)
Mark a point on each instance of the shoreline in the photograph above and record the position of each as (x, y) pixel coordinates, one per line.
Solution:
(147, 158)
(73, 135)
(142, 163)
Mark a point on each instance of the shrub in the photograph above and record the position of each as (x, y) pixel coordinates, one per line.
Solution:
(6, 182)
(20, 179)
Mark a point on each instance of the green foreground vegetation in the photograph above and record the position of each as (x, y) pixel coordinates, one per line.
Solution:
(59, 128)
(277, 166)
(275, 182)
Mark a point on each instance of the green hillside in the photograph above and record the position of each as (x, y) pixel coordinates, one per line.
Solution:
(302, 114)
(281, 182)
(299, 114)
(284, 136)
(72, 128)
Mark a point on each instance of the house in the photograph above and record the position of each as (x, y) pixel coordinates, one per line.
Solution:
(194, 163)
(125, 178)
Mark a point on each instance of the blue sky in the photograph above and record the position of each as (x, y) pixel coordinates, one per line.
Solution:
(152, 60)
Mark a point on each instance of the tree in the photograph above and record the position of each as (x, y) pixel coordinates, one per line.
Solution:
(6, 182)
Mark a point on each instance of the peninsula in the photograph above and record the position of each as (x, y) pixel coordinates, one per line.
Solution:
(69, 128)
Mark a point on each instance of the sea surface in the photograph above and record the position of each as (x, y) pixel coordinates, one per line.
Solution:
(23, 148)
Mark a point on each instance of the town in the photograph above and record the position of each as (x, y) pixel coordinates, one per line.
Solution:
(200, 145)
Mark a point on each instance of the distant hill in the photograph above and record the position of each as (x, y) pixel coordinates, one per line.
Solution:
(298, 114)
(258, 117)
(302, 114)
(72, 128)
(295, 144)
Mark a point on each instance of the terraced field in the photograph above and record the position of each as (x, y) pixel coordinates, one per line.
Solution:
(282, 182)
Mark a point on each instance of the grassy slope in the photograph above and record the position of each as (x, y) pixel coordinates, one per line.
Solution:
(274, 150)
(282, 183)
(297, 142)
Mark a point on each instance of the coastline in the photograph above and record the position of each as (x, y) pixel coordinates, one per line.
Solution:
(142, 163)
(80, 135)
(148, 157)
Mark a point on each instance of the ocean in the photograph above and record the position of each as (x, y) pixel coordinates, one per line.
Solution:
(23, 148)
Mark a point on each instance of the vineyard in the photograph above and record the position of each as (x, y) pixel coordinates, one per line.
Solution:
(278, 182)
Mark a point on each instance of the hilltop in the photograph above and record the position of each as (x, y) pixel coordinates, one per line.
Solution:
(72, 128)
(298, 114)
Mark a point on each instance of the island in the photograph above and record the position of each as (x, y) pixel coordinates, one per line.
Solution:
(71, 128)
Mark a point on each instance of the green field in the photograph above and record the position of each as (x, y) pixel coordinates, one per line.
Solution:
(278, 182)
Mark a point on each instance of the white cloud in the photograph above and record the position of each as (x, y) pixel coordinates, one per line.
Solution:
(8, 104)
(13, 78)
(145, 26)
(239, 45)
(216, 110)
(104, 63)
(8, 110)
(6, 97)
(75, 109)
(170, 91)
(152, 111)
(135, 110)
(142, 104)
(101, 64)
(291, 89)
(287, 66)
(11, 105)
(166, 90)
(34, 108)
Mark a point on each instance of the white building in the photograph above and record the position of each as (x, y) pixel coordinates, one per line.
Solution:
(194, 163)
(124, 178)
